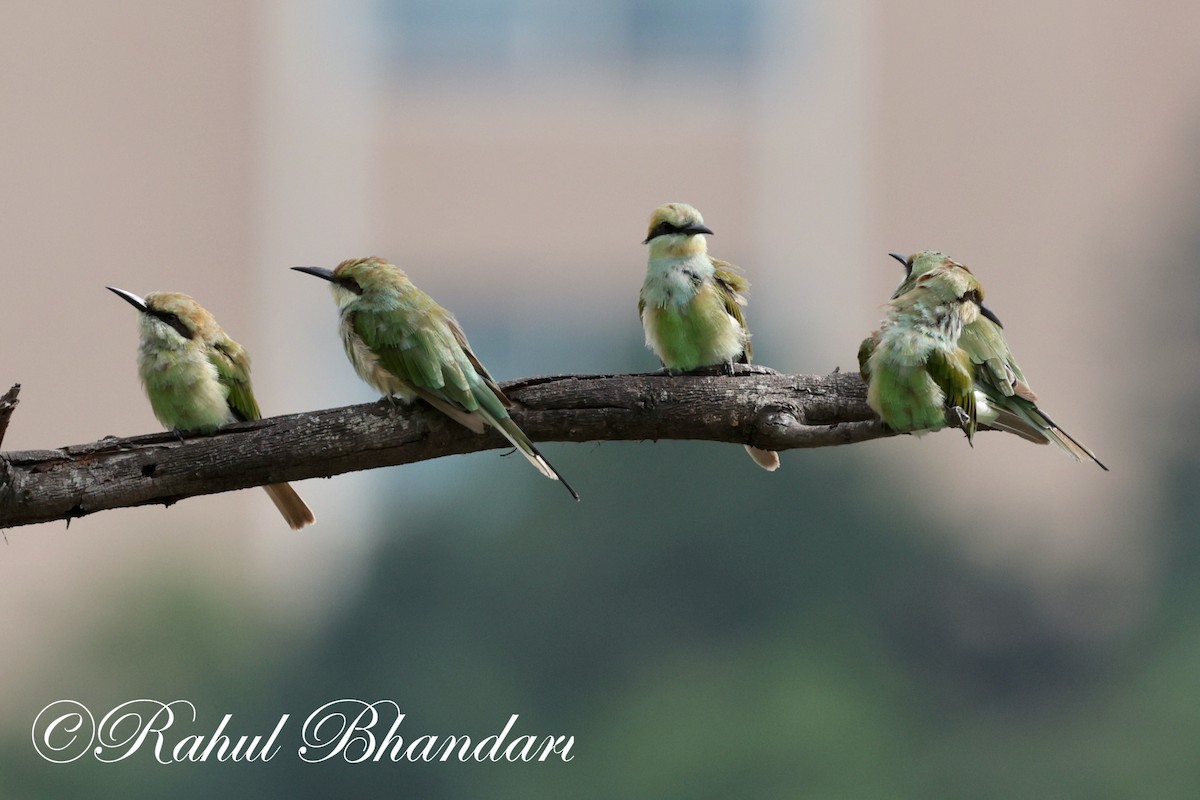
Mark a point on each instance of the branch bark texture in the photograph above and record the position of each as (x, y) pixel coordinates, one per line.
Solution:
(754, 406)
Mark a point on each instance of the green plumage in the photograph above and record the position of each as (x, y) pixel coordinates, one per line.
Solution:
(691, 304)
(404, 344)
(915, 370)
(197, 378)
(693, 322)
(233, 371)
(427, 356)
(1010, 401)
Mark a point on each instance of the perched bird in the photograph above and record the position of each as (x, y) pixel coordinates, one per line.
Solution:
(691, 303)
(1003, 394)
(915, 369)
(403, 343)
(197, 378)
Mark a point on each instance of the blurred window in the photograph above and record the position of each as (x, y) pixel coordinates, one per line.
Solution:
(495, 38)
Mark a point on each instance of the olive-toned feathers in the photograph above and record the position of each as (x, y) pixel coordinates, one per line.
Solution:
(915, 371)
(233, 370)
(403, 343)
(732, 284)
(691, 305)
(1010, 401)
(197, 378)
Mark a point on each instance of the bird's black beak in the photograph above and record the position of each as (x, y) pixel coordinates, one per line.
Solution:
(320, 272)
(129, 297)
(987, 312)
(697, 228)
(902, 259)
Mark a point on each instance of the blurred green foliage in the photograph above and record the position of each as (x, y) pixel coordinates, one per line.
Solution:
(789, 635)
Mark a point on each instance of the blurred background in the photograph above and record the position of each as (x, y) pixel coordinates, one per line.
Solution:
(895, 619)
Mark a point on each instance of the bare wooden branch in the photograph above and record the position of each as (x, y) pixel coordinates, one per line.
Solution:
(8, 403)
(754, 406)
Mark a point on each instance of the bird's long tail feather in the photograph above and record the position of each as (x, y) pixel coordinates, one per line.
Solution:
(294, 510)
(1029, 422)
(526, 448)
(1069, 443)
(767, 459)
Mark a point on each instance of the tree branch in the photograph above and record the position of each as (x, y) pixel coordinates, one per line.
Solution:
(754, 406)
(8, 404)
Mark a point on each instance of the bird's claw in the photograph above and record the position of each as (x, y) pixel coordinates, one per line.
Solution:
(964, 422)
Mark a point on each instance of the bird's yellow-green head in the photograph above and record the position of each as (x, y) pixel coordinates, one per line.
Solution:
(676, 231)
(196, 377)
(918, 264)
(354, 280)
(171, 319)
(927, 261)
(947, 283)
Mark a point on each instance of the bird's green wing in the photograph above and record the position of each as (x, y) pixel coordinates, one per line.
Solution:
(414, 348)
(480, 370)
(425, 353)
(731, 283)
(233, 370)
(864, 355)
(1001, 381)
(997, 370)
(954, 374)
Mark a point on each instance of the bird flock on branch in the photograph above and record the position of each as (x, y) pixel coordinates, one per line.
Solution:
(939, 357)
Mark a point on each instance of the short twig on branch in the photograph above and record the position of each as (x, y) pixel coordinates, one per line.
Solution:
(8, 402)
(754, 406)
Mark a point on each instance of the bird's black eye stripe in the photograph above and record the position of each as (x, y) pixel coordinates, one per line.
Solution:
(175, 322)
(349, 284)
(973, 297)
(663, 228)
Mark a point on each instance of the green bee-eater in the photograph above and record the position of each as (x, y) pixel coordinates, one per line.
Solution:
(1003, 395)
(691, 304)
(197, 378)
(915, 369)
(404, 344)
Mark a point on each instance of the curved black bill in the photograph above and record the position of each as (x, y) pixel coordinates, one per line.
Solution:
(320, 272)
(902, 259)
(128, 297)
